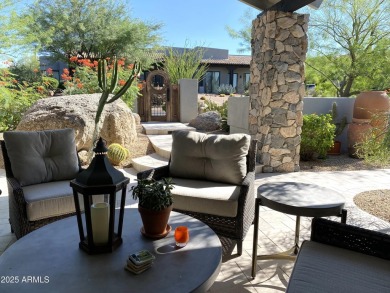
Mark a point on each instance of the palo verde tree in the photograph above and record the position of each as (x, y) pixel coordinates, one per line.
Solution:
(245, 33)
(349, 46)
(88, 29)
(352, 36)
(8, 38)
(4, 6)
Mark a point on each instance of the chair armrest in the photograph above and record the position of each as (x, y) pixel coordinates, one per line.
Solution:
(159, 173)
(249, 179)
(247, 196)
(16, 188)
(251, 157)
(351, 237)
(14, 183)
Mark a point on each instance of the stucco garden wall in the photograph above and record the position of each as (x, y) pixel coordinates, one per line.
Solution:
(239, 122)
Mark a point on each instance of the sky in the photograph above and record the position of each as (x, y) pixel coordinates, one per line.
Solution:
(200, 22)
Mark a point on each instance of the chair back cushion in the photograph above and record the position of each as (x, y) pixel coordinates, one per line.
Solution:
(42, 156)
(219, 158)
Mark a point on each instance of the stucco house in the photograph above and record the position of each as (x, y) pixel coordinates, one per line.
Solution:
(223, 69)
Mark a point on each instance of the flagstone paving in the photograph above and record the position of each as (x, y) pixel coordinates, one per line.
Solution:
(276, 230)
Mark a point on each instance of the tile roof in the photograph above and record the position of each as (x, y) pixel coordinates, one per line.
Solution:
(232, 60)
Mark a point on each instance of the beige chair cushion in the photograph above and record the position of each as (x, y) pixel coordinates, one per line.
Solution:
(51, 199)
(206, 197)
(325, 268)
(219, 158)
(48, 200)
(42, 156)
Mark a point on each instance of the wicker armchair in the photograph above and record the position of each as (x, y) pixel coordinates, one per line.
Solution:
(351, 237)
(19, 210)
(233, 228)
(341, 257)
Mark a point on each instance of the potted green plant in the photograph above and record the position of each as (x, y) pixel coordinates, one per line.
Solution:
(340, 126)
(154, 205)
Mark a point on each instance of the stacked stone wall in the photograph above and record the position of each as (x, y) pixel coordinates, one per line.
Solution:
(279, 46)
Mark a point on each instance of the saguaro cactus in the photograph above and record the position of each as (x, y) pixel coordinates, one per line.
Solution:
(108, 88)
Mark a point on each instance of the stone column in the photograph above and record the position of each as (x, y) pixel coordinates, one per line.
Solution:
(279, 46)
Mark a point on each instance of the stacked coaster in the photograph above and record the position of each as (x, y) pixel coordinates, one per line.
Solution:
(139, 262)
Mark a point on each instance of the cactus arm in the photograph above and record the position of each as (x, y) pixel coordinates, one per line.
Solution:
(129, 82)
(104, 76)
(122, 90)
(100, 74)
(115, 77)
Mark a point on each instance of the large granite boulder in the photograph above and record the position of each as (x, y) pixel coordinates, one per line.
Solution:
(208, 121)
(78, 112)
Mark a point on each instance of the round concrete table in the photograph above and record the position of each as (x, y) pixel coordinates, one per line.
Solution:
(49, 260)
(299, 199)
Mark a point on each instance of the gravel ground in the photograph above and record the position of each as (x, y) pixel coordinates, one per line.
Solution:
(375, 202)
(337, 163)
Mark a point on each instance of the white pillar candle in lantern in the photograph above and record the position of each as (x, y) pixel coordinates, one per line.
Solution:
(100, 215)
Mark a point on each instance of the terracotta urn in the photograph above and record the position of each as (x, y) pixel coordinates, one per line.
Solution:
(370, 103)
(357, 130)
(368, 113)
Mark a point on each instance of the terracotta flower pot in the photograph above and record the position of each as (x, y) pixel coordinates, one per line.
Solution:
(155, 222)
(336, 149)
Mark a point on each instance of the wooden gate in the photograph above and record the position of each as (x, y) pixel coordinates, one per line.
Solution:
(160, 99)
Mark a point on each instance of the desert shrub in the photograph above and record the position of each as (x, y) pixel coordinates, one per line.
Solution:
(85, 80)
(26, 70)
(50, 83)
(317, 136)
(225, 89)
(374, 149)
(184, 64)
(15, 99)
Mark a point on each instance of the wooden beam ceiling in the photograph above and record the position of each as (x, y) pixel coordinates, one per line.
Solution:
(260, 4)
(290, 6)
(282, 5)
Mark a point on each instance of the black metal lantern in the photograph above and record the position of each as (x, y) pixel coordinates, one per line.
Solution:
(99, 178)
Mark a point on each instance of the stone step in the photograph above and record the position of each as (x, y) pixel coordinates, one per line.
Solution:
(259, 168)
(148, 162)
(162, 144)
(162, 128)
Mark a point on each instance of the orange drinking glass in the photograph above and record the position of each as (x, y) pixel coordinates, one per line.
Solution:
(181, 236)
